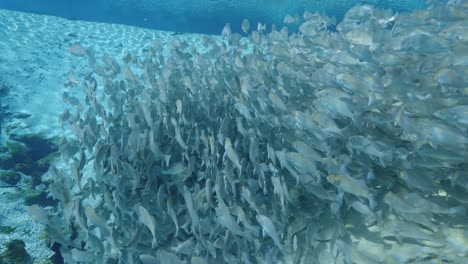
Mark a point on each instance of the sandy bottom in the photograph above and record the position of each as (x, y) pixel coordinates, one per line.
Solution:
(34, 61)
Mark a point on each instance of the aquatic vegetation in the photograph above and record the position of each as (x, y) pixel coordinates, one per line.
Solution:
(14, 252)
(45, 236)
(26, 154)
(6, 229)
(13, 153)
(10, 177)
(310, 147)
(45, 261)
(37, 146)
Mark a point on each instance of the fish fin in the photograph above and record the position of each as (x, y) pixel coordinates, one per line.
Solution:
(154, 243)
(419, 143)
(372, 203)
(339, 198)
(433, 145)
(370, 175)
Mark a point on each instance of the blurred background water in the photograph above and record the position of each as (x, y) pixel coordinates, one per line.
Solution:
(198, 16)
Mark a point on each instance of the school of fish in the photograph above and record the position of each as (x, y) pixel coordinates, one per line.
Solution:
(318, 146)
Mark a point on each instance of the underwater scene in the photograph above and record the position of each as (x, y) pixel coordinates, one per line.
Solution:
(250, 131)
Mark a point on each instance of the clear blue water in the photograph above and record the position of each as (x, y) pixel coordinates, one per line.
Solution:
(197, 16)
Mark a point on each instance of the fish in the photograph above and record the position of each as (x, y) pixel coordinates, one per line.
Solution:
(270, 229)
(456, 115)
(226, 30)
(243, 110)
(277, 102)
(192, 212)
(228, 221)
(398, 204)
(149, 259)
(404, 230)
(175, 169)
(424, 42)
(148, 220)
(112, 63)
(348, 184)
(168, 257)
(312, 27)
(81, 256)
(172, 215)
(241, 217)
(374, 149)
(95, 219)
(278, 190)
(314, 140)
(179, 106)
(360, 37)
(128, 74)
(261, 27)
(289, 20)
(422, 131)
(38, 213)
(319, 191)
(245, 25)
(301, 163)
(77, 50)
(231, 153)
(57, 236)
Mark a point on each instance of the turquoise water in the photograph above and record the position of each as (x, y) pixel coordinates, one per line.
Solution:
(196, 16)
(317, 140)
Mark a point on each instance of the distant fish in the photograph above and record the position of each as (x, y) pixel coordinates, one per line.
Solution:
(269, 228)
(77, 50)
(226, 30)
(261, 27)
(37, 213)
(231, 153)
(289, 20)
(245, 25)
(148, 220)
(81, 256)
(350, 185)
(175, 169)
(148, 259)
(95, 219)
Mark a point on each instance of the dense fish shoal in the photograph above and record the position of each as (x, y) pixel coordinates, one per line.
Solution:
(278, 147)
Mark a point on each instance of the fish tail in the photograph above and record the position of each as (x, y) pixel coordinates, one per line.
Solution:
(287, 250)
(154, 243)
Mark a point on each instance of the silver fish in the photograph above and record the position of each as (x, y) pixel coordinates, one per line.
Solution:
(270, 229)
(353, 186)
(148, 220)
(231, 153)
(245, 25)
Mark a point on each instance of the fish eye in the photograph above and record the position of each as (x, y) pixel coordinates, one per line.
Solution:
(442, 113)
